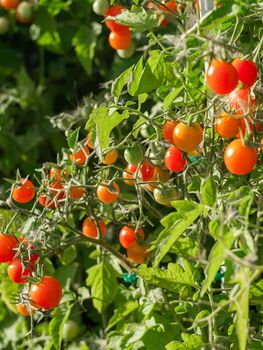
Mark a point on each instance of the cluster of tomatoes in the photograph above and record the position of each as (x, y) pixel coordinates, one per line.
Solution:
(223, 78)
(43, 294)
(23, 12)
(165, 12)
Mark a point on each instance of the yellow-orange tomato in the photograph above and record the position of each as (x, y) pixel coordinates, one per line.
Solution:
(110, 157)
(9, 4)
(81, 156)
(90, 229)
(89, 140)
(76, 192)
(128, 176)
(227, 126)
(108, 195)
(120, 41)
(137, 253)
(187, 137)
(24, 310)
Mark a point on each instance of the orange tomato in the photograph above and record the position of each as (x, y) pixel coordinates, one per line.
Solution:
(108, 195)
(111, 157)
(81, 156)
(128, 175)
(187, 137)
(137, 253)
(89, 140)
(120, 41)
(90, 229)
(227, 126)
(168, 129)
(76, 192)
(9, 4)
(25, 310)
(24, 191)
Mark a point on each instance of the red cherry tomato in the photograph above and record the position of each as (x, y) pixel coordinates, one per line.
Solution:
(52, 200)
(227, 126)
(76, 193)
(171, 5)
(17, 273)
(221, 77)
(47, 293)
(187, 137)
(128, 236)
(8, 244)
(168, 129)
(240, 159)
(112, 25)
(120, 40)
(24, 191)
(108, 195)
(81, 156)
(174, 160)
(242, 102)
(137, 253)
(147, 170)
(9, 4)
(89, 228)
(246, 70)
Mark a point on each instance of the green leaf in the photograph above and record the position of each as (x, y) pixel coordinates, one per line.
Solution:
(103, 283)
(218, 252)
(121, 312)
(193, 342)
(208, 192)
(168, 100)
(185, 247)
(173, 278)
(140, 19)
(135, 78)
(73, 138)
(59, 318)
(175, 224)
(68, 255)
(85, 42)
(105, 121)
(120, 82)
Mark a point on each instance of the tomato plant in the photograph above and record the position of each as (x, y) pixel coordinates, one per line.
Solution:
(133, 154)
(187, 137)
(47, 293)
(107, 194)
(24, 191)
(128, 236)
(89, 228)
(174, 159)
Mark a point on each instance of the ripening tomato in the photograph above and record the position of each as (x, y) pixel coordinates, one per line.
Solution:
(227, 126)
(52, 199)
(242, 102)
(165, 195)
(120, 41)
(128, 236)
(221, 77)
(133, 154)
(146, 170)
(89, 142)
(112, 25)
(100, 7)
(89, 228)
(24, 12)
(128, 52)
(246, 70)
(76, 193)
(47, 293)
(25, 310)
(7, 248)
(137, 253)
(17, 273)
(81, 156)
(9, 4)
(187, 137)
(168, 129)
(70, 329)
(108, 194)
(240, 159)
(111, 157)
(174, 160)
(23, 191)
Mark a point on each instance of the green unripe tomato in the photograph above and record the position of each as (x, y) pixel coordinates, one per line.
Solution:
(70, 330)
(100, 7)
(24, 12)
(134, 154)
(147, 131)
(165, 195)
(4, 25)
(128, 52)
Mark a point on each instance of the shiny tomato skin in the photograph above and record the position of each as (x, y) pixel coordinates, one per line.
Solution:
(240, 159)
(25, 310)
(227, 126)
(168, 129)
(24, 12)
(134, 154)
(9, 4)
(165, 195)
(89, 228)
(120, 41)
(146, 170)
(76, 193)
(221, 77)
(136, 253)
(112, 25)
(16, 272)
(174, 160)
(246, 70)
(81, 156)
(7, 248)
(47, 293)
(187, 137)
(242, 102)
(107, 195)
(23, 192)
(111, 157)
(128, 236)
